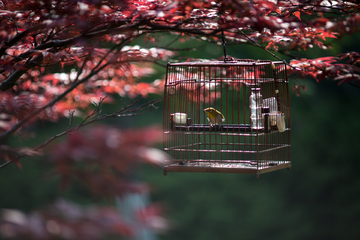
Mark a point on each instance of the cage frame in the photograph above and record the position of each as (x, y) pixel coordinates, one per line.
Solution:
(240, 129)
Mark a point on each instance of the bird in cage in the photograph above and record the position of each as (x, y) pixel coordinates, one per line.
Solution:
(214, 116)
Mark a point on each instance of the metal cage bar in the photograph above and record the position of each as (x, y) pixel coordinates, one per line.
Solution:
(236, 145)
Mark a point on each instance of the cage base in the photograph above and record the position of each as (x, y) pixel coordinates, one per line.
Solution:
(226, 167)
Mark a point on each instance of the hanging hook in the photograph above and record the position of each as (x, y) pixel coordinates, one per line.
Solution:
(224, 45)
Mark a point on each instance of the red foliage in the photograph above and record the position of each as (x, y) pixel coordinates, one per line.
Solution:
(66, 220)
(103, 166)
(102, 159)
(14, 108)
(39, 37)
(66, 54)
(330, 67)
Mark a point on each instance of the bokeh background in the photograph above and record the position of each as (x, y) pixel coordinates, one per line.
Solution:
(319, 198)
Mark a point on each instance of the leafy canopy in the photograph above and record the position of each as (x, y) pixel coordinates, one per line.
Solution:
(60, 55)
(69, 53)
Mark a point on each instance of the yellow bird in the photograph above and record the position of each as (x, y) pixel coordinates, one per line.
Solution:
(214, 116)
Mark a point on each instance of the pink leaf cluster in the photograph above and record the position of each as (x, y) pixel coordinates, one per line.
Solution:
(67, 220)
(104, 165)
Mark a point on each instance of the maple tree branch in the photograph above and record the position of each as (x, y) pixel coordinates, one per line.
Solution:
(185, 49)
(51, 103)
(172, 41)
(318, 68)
(17, 38)
(263, 48)
(11, 42)
(334, 10)
(11, 80)
(258, 45)
(95, 111)
(129, 110)
(71, 118)
(93, 72)
(354, 85)
(49, 36)
(117, 29)
(176, 28)
(158, 63)
(80, 70)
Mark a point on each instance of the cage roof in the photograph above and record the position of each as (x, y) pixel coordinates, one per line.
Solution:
(227, 63)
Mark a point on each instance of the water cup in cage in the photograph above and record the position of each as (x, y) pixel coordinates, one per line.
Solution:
(256, 103)
(256, 118)
(180, 118)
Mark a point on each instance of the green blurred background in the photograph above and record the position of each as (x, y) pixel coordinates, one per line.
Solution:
(318, 199)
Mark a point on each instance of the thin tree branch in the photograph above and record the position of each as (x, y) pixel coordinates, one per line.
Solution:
(263, 48)
(173, 41)
(14, 40)
(96, 110)
(129, 110)
(93, 72)
(71, 118)
(10, 82)
(80, 70)
(327, 9)
(51, 103)
(258, 45)
(118, 29)
(204, 32)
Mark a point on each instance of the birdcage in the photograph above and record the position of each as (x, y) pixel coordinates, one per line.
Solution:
(251, 133)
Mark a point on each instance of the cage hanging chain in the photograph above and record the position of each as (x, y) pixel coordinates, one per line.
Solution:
(224, 45)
